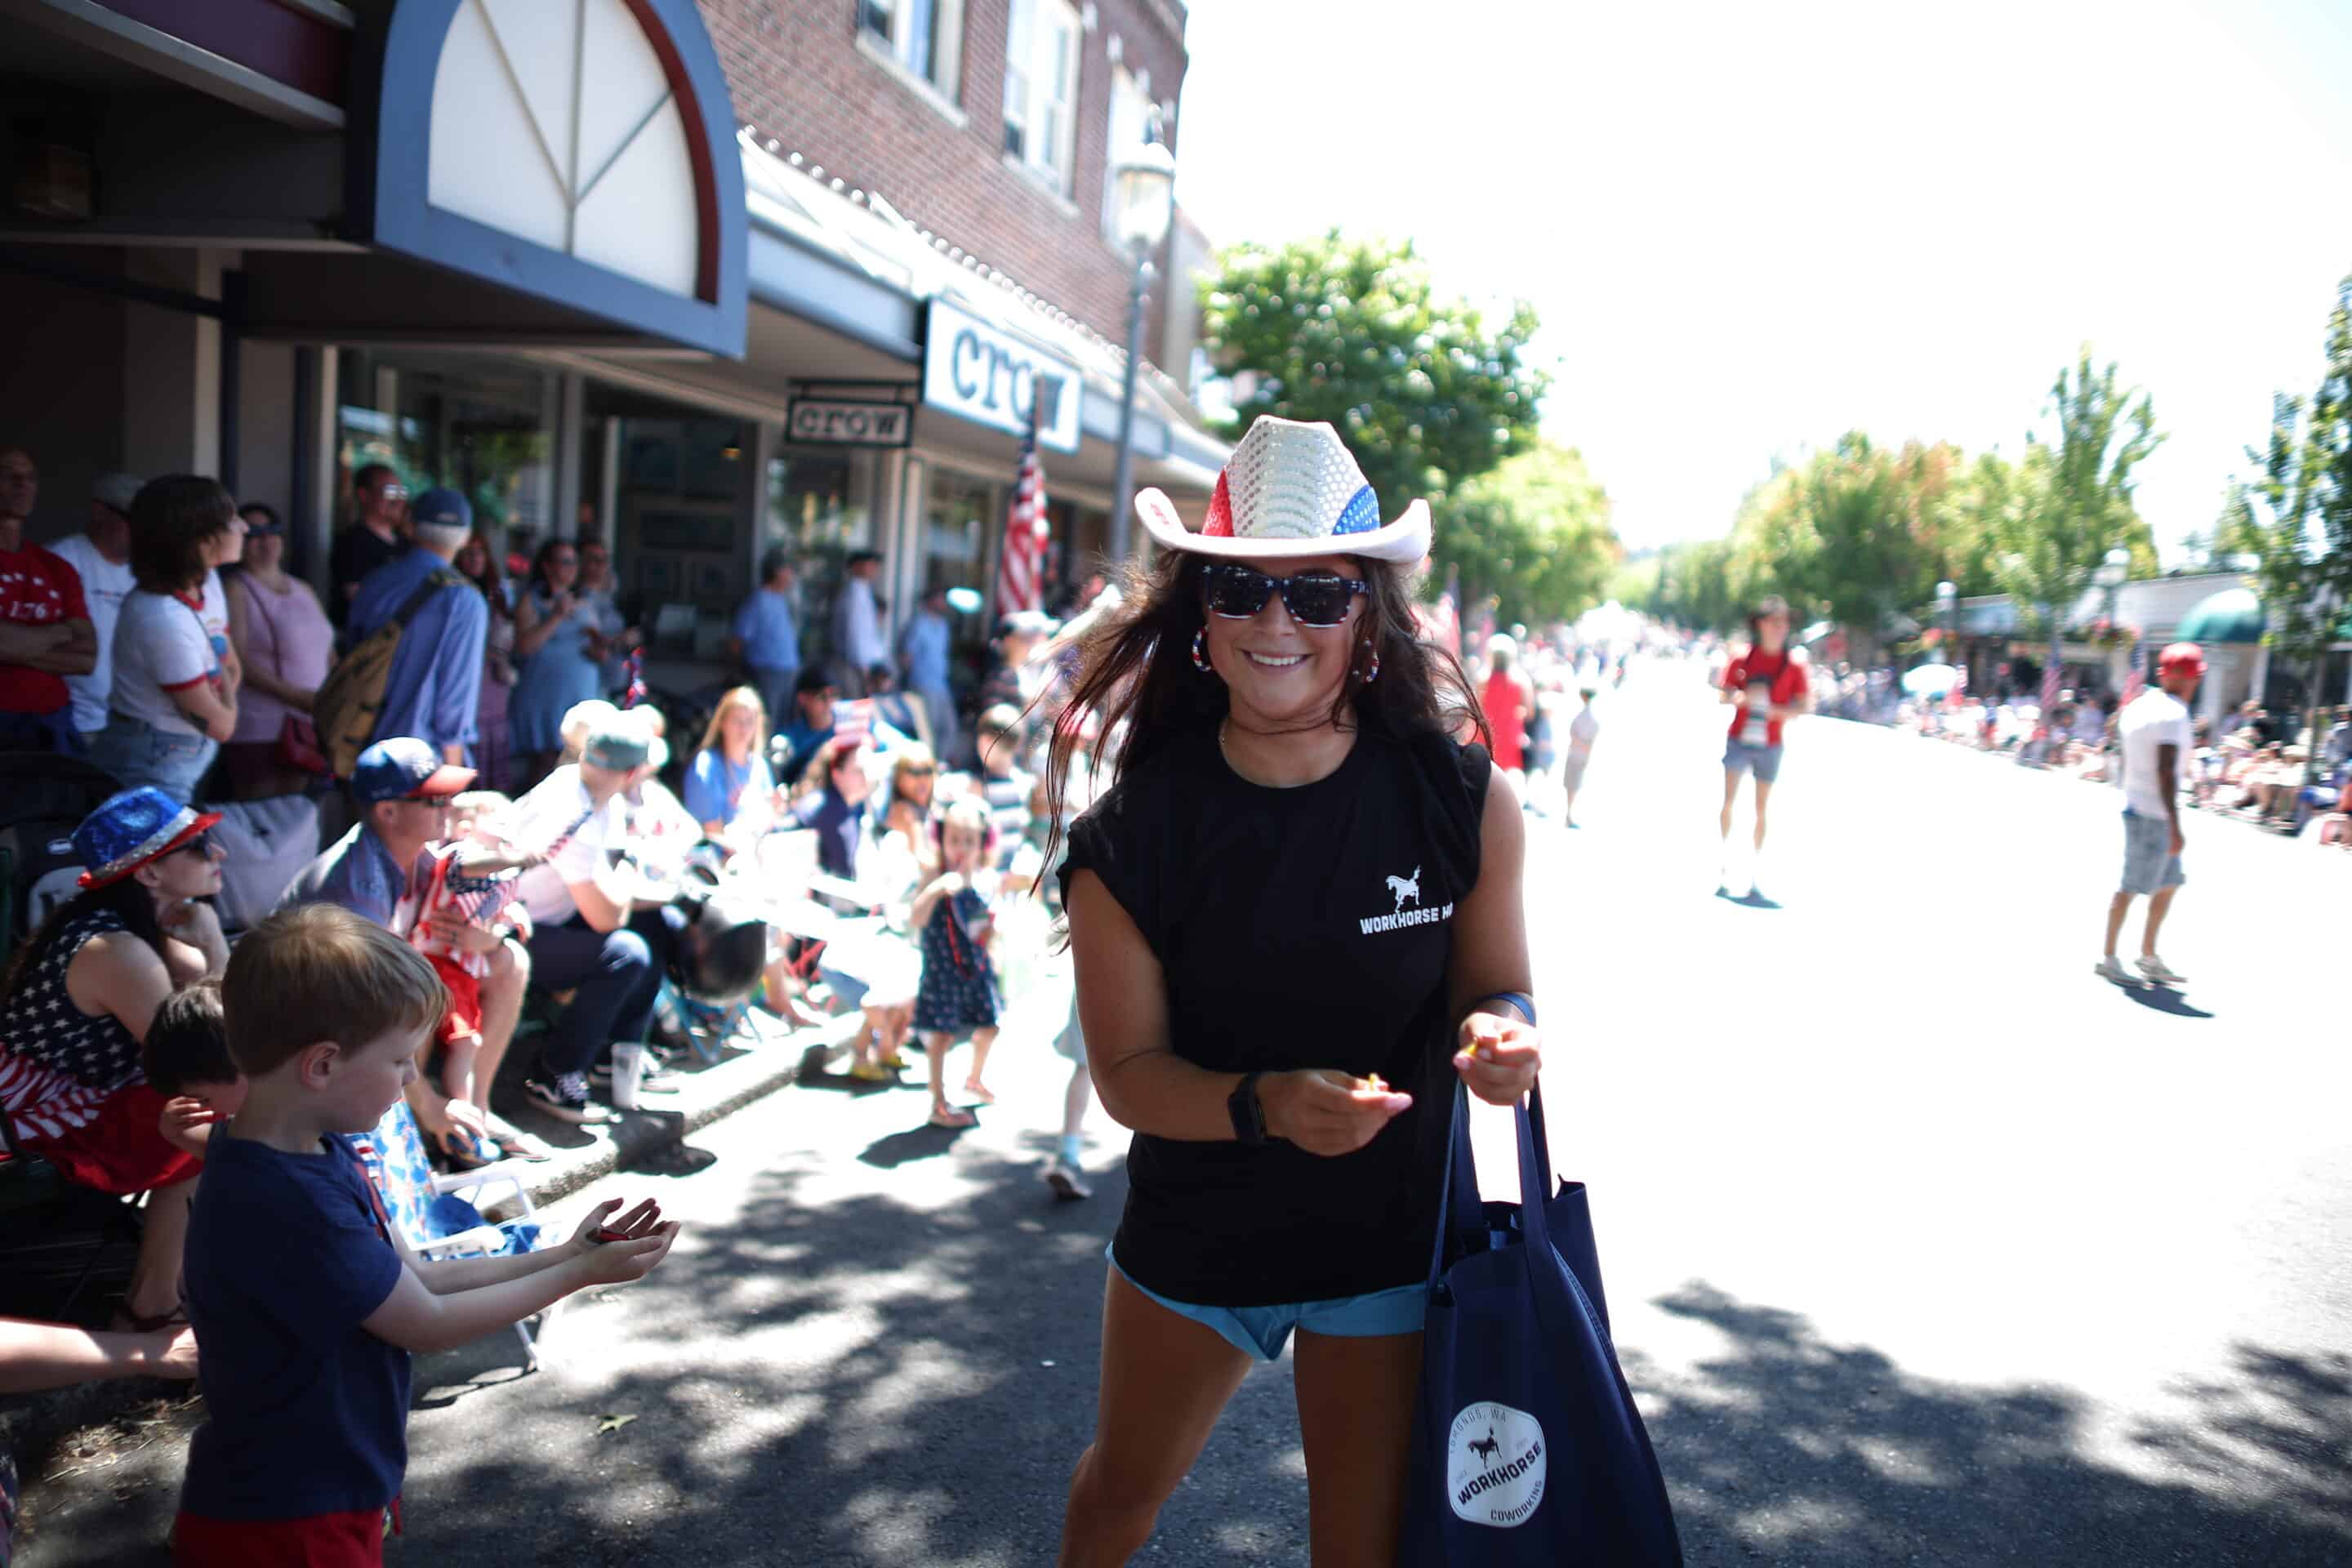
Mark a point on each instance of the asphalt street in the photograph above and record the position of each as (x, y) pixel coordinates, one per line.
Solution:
(1925, 1245)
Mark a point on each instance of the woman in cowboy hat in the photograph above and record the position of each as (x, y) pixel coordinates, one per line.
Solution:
(76, 1004)
(1297, 925)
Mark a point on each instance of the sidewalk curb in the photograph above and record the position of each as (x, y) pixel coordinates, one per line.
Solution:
(30, 1424)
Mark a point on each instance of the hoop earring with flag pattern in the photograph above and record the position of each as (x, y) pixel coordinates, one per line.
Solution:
(1374, 673)
(1201, 651)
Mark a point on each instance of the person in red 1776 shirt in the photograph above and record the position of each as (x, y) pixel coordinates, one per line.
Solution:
(1766, 682)
(45, 630)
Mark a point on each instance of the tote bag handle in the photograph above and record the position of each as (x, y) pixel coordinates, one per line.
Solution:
(1459, 1208)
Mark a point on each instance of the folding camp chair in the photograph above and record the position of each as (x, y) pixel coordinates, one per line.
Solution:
(440, 1217)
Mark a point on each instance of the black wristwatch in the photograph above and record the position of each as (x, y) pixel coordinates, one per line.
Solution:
(1248, 1114)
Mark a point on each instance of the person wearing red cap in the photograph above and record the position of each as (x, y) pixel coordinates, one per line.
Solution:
(2154, 734)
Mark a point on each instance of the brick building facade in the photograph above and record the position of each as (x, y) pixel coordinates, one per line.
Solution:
(811, 76)
(638, 269)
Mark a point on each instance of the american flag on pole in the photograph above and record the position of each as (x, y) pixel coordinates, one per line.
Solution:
(1021, 566)
(1445, 619)
(2051, 673)
(2135, 677)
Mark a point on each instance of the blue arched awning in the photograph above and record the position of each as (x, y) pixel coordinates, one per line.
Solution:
(582, 152)
(2232, 616)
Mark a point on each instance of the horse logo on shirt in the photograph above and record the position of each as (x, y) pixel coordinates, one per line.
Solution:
(1405, 888)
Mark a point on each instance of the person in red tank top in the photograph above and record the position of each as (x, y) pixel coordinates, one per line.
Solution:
(1765, 684)
(1505, 701)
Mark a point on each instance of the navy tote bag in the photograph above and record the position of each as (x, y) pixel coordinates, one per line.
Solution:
(1526, 1449)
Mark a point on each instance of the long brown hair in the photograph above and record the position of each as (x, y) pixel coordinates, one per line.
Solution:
(1135, 669)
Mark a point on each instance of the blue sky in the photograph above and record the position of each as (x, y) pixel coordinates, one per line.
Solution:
(1750, 227)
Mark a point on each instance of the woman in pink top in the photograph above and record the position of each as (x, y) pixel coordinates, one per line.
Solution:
(285, 643)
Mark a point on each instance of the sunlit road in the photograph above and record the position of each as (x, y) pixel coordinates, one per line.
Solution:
(1925, 1245)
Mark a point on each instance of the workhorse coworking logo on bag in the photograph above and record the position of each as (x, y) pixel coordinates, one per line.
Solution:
(1405, 891)
(1495, 1469)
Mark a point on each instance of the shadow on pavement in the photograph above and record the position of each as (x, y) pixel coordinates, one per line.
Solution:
(923, 1143)
(1787, 1448)
(866, 1381)
(2162, 999)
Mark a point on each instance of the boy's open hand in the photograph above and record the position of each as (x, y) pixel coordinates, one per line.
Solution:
(619, 1262)
(598, 1227)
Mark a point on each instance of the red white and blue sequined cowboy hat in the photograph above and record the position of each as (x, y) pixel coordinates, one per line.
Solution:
(1290, 489)
(131, 829)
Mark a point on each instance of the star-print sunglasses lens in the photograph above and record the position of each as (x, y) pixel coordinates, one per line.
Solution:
(1313, 598)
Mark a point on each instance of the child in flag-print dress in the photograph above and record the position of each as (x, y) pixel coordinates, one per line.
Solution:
(467, 884)
(958, 986)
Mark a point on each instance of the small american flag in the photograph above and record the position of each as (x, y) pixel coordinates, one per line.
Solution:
(1020, 569)
(2135, 677)
(2051, 673)
(852, 719)
(636, 668)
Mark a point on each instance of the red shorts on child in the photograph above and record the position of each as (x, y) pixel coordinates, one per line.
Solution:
(122, 1148)
(463, 1021)
(353, 1540)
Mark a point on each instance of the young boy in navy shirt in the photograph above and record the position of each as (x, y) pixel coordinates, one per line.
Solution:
(304, 1303)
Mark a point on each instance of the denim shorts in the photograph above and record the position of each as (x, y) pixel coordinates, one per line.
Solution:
(2149, 864)
(139, 755)
(847, 989)
(1739, 757)
(1262, 1332)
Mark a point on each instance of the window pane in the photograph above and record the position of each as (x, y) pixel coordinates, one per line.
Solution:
(958, 513)
(874, 15)
(918, 47)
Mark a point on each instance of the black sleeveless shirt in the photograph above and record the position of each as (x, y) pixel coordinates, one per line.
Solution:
(1295, 927)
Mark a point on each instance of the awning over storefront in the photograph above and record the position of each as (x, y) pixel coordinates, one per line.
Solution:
(427, 170)
(580, 152)
(851, 260)
(2232, 616)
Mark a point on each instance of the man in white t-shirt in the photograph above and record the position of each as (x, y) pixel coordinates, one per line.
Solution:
(597, 928)
(103, 555)
(2154, 737)
(1582, 731)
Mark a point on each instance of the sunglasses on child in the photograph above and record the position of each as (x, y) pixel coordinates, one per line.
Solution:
(1313, 598)
(201, 846)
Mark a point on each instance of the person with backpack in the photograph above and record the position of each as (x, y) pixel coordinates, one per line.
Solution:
(1766, 682)
(430, 684)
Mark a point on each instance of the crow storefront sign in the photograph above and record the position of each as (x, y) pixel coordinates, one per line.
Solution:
(848, 422)
(973, 370)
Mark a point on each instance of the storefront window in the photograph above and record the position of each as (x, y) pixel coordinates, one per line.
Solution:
(676, 488)
(477, 426)
(821, 508)
(959, 514)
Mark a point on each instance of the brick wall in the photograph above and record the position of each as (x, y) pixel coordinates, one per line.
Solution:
(798, 74)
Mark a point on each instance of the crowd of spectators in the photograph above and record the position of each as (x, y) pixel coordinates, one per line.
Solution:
(2256, 766)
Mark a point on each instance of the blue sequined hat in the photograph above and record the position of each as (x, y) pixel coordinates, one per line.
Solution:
(131, 829)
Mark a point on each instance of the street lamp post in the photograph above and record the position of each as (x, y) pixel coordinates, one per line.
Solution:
(1145, 191)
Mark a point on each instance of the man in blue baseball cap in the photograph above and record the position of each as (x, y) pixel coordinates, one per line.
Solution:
(404, 788)
(433, 689)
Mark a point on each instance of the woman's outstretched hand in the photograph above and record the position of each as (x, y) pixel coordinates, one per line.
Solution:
(1326, 1112)
(1498, 1056)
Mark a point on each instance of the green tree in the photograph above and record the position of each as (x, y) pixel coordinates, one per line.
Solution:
(1427, 394)
(1533, 533)
(2295, 517)
(2070, 500)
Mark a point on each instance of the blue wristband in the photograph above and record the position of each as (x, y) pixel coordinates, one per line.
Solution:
(1520, 999)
